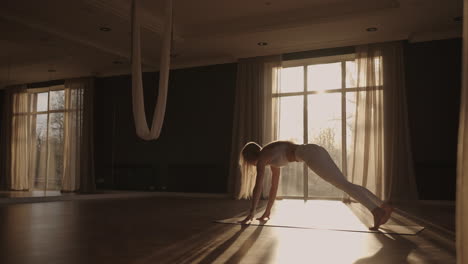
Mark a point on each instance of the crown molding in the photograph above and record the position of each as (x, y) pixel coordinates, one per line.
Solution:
(40, 26)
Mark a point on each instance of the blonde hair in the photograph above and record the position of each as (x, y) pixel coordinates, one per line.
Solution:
(248, 175)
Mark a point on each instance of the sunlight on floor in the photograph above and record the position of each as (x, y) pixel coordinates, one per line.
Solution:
(301, 245)
(326, 214)
(297, 246)
(321, 246)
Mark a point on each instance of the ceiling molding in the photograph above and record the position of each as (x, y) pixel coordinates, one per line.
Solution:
(435, 35)
(312, 45)
(297, 18)
(37, 25)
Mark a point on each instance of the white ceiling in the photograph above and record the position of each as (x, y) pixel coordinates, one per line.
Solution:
(64, 35)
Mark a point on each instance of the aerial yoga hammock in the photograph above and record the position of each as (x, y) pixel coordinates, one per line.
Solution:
(139, 116)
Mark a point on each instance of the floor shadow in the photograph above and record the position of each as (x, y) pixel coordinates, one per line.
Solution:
(219, 250)
(240, 253)
(249, 242)
(395, 249)
(442, 240)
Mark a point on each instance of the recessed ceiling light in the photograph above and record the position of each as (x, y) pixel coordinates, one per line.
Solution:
(51, 70)
(371, 29)
(458, 19)
(262, 43)
(105, 29)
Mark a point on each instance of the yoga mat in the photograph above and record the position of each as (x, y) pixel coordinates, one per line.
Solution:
(324, 215)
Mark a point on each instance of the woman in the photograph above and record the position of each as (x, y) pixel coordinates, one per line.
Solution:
(254, 159)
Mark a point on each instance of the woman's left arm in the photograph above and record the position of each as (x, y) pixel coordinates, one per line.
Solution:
(256, 192)
(275, 174)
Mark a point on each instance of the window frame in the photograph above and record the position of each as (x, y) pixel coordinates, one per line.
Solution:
(343, 90)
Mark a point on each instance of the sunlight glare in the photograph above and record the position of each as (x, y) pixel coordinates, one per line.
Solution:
(291, 119)
(322, 77)
(292, 80)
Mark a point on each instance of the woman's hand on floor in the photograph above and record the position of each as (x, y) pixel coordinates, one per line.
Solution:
(264, 217)
(247, 220)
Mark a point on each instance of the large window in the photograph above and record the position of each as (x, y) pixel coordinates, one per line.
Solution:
(316, 102)
(46, 127)
(49, 124)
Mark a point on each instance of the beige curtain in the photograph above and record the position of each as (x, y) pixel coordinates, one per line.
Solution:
(21, 148)
(72, 127)
(78, 162)
(253, 111)
(381, 159)
(462, 163)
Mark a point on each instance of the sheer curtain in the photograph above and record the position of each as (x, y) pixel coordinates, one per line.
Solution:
(76, 136)
(78, 172)
(381, 159)
(462, 162)
(254, 113)
(20, 139)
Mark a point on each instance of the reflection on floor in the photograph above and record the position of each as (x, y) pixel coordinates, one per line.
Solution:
(181, 230)
(15, 194)
(16, 197)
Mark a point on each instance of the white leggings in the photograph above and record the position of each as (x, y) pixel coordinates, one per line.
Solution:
(318, 160)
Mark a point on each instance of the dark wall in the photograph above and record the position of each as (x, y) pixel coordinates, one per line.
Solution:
(2, 150)
(433, 74)
(193, 151)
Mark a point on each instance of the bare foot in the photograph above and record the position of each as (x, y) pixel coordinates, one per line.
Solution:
(381, 215)
(378, 214)
(388, 212)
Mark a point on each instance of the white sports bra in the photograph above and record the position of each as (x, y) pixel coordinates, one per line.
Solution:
(279, 158)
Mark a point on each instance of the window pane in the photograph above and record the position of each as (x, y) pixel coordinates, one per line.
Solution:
(292, 180)
(55, 151)
(291, 127)
(292, 80)
(39, 166)
(291, 118)
(351, 77)
(57, 100)
(42, 101)
(324, 76)
(324, 129)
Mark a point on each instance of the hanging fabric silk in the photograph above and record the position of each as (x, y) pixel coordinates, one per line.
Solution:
(139, 115)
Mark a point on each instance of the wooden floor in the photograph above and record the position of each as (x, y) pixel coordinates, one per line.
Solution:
(181, 230)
